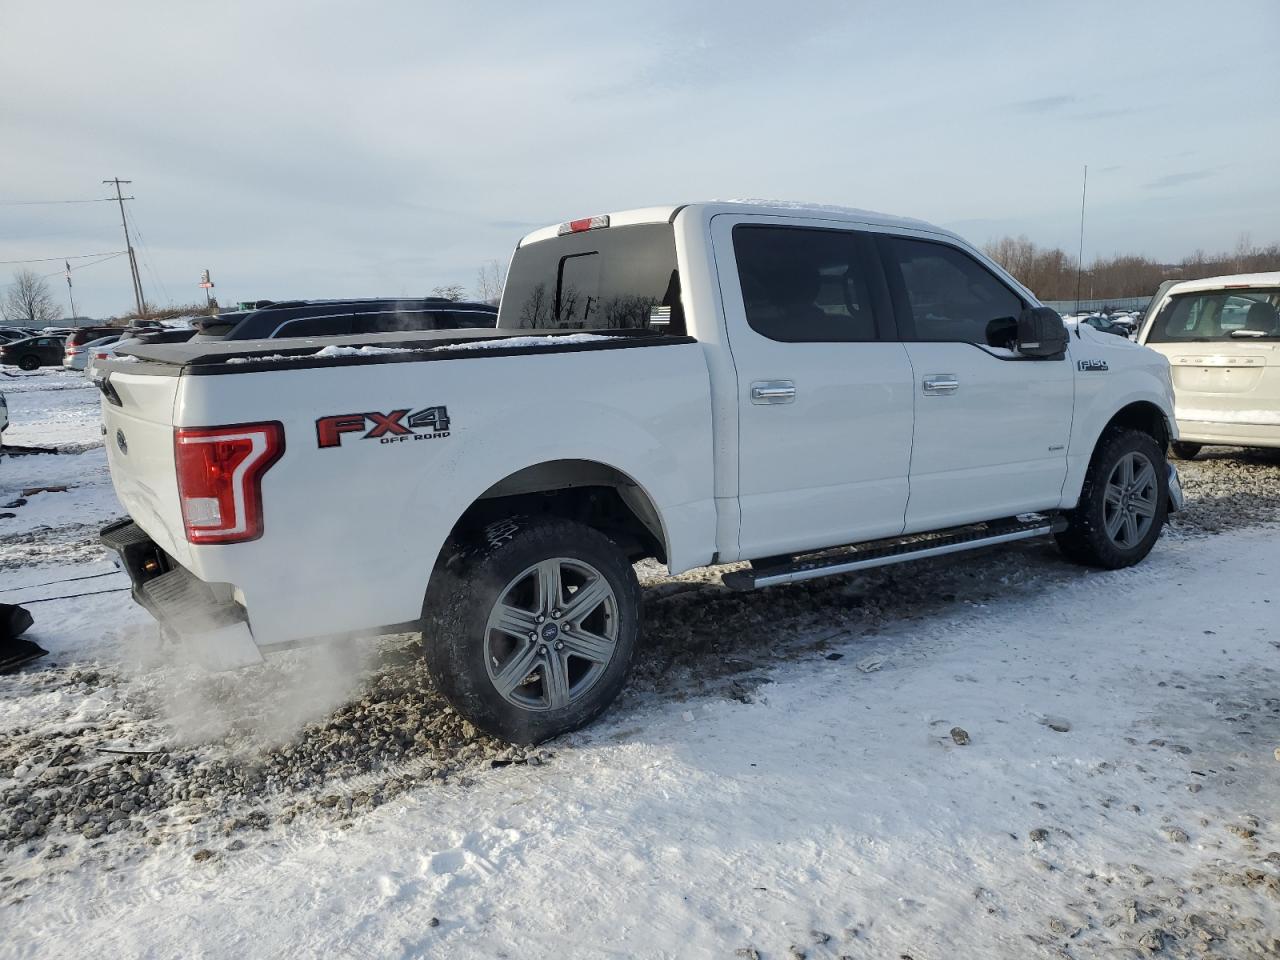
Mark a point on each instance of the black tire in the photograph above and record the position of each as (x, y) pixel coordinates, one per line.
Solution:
(1086, 539)
(28, 362)
(1185, 451)
(459, 642)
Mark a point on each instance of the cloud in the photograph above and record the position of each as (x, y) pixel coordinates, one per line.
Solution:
(1042, 104)
(1178, 179)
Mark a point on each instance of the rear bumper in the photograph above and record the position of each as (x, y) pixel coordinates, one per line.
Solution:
(211, 626)
(1229, 434)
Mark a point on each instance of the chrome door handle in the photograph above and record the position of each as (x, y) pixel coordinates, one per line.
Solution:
(773, 391)
(941, 384)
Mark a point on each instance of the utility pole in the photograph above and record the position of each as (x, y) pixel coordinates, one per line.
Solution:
(133, 262)
(1084, 188)
(70, 295)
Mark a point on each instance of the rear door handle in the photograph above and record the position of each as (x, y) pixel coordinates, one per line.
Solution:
(773, 391)
(941, 384)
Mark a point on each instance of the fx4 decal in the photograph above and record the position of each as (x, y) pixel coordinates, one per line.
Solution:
(1094, 366)
(429, 423)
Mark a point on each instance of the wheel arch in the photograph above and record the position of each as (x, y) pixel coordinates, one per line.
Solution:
(1142, 415)
(592, 492)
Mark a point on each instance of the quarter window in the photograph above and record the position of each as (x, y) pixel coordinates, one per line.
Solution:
(949, 295)
(801, 285)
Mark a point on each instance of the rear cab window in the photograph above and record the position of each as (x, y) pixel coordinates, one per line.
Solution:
(1218, 315)
(610, 278)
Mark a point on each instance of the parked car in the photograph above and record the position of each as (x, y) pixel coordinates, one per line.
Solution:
(330, 318)
(1222, 338)
(76, 357)
(33, 352)
(1105, 324)
(79, 336)
(9, 334)
(98, 353)
(701, 384)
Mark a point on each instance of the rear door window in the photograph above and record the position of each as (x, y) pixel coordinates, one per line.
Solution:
(944, 294)
(803, 285)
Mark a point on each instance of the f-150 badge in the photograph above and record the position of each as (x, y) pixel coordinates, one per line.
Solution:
(1094, 366)
(429, 423)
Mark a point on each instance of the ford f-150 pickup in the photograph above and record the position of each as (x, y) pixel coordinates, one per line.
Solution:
(809, 390)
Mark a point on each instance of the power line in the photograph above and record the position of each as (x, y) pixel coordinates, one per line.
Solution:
(36, 203)
(79, 266)
(79, 256)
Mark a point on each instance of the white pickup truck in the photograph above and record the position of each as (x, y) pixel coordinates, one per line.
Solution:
(813, 390)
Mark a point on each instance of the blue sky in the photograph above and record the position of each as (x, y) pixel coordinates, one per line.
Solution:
(381, 149)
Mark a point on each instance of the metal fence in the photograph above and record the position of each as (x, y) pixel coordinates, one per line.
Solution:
(1098, 306)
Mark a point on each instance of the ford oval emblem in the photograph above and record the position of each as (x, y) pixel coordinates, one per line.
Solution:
(121, 442)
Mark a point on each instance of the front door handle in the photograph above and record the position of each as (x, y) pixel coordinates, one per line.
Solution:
(773, 391)
(941, 384)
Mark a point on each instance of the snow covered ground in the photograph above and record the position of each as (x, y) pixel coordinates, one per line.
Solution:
(1006, 756)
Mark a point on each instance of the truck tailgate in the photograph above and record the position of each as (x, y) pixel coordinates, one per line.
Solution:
(137, 416)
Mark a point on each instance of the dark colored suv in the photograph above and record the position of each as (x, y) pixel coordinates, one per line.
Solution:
(33, 352)
(330, 318)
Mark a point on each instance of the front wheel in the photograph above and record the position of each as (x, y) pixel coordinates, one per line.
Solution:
(28, 363)
(1184, 451)
(1122, 505)
(529, 632)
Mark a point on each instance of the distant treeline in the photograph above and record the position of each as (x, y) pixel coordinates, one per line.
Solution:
(1051, 273)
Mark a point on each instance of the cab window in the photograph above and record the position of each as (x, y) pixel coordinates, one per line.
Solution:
(804, 285)
(944, 294)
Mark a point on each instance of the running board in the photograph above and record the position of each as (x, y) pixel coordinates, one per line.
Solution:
(881, 553)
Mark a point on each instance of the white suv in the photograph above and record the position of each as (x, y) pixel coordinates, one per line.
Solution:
(1222, 338)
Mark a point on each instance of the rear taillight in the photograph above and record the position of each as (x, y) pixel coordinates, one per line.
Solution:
(220, 478)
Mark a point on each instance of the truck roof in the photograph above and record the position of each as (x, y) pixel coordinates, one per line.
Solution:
(1233, 280)
(778, 208)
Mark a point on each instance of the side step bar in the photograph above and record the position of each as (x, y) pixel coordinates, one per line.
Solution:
(881, 553)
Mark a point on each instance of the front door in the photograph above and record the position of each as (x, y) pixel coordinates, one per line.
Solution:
(825, 398)
(991, 427)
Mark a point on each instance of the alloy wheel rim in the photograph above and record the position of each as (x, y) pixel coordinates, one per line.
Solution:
(551, 634)
(1130, 500)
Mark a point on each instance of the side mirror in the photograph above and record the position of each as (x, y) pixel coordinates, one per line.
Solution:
(1041, 333)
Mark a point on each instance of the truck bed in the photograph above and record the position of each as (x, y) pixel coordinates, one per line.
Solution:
(214, 357)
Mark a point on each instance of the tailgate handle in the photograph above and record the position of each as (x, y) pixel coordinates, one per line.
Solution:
(109, 391)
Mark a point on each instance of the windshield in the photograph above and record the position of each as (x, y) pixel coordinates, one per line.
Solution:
(1218, 315)
(612, 278)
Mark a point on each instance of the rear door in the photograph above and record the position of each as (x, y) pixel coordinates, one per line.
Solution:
(824, 389)
(1224, 351)
(991, 427)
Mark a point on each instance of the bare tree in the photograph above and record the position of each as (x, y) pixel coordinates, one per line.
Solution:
(29, 300)
(490, 281)
(453, 291)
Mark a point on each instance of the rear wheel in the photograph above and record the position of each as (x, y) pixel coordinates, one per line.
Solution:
(530, 633)
(1184, 451)
(1123, 503)
(28, 362)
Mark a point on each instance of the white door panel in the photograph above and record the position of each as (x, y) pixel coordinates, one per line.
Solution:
(824, 428)
(992, 445)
